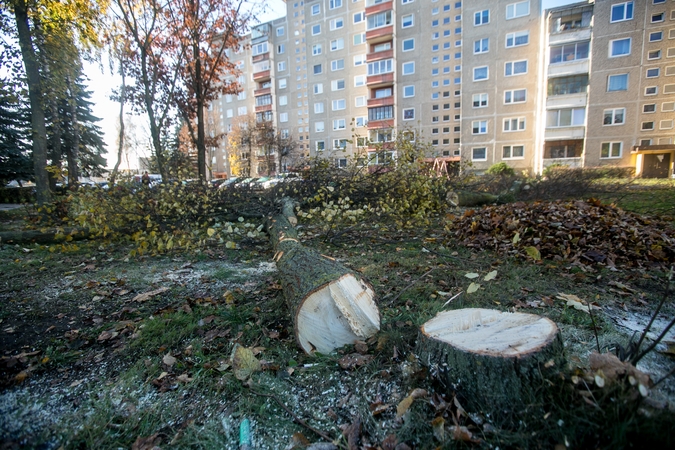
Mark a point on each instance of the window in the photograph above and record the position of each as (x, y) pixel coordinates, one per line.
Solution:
(656, 36)
(381, 113)
(649, 108)
(573, 84)
(480, 73)
(318, 68)
(654, 54)
(319, 126)
(667, 106)
(569, 52)
(281, 66)
(381, 47)
(408, 113)
(513, 151)
(359, 60)
(383, 92)
(658, 17)
(259, 49)
(316, 29)
(378, 20)
(408, 91)
(651, 90)
(339, 124)
(479, 127)
(409, 68)
(318, 88)
(359, 80)
(515, 96)
(359, 17)
(481, 46)
(230, 113)
(337, 85)
(617, 82)
(407, 21)
(359, 38)
(514, 124)
(481, 17)
(621, 12)
(316, 49)
(517, 39)
(336, 24)
(337, 44)
(316, 9)
(515, 68)
(281, 48)
(360, 101)
(567, 117)
(339, 104)
(614, 116)
(361, 121)
(380, 67)
(611, 150)
(653, 73)
(619, 47)
(647, 126)
(519, 9)
(318, 107)
(670, 71)
(480, 100)
(280, 31)
(283, 100)
(332, 4)
(320, 146)
(283, 117)
(479, 154)
(282, 83)
(666, 124)
(408, 45)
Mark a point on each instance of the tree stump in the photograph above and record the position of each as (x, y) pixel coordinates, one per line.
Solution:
(332, 306)
(497, 361)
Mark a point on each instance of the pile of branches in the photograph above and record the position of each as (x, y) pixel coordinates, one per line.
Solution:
(576, 231)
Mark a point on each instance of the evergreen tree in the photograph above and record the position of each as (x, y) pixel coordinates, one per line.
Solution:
(15, 159)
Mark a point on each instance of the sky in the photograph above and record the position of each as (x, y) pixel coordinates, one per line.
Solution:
(102, 82)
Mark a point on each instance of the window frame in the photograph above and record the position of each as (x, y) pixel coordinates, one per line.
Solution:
(615, 76)
(487, 73)
(514, 6)
(514, 37)
(480, 100)
(481, 17)
(626, 11)
(482, 49)
(405, 23)
(511, 148)
(473, 154)
(613, 114)
(408, 64)
(512, 65)
(610, 149)
(519, 121)
(513, 93)
(612, 49)
(479, 127)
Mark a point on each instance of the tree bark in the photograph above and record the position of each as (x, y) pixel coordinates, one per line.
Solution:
(466, 198)
(43, 237)
(120, 137)
(331, 305)
(39, 133)
(497, 361)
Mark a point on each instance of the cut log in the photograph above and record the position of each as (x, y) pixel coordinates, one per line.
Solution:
(466, 198)
(43, 237)
(497, 361)
(331, 305)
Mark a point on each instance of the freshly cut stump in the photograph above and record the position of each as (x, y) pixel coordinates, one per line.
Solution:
(497, 361)
(331, 305)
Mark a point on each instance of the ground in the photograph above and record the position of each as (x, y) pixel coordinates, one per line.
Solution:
(104, 350)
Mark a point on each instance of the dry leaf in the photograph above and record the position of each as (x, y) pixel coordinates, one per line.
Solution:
(148, 295)
(471, 275)
(147, 443)
(490, 276)
(533, 252)
(575, 302)
(438, 425)
(169, 360)
(354, 360)
(405, 404)
(244, 363)
(473, 287)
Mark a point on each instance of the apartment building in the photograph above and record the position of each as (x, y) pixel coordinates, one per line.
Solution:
(585, 85)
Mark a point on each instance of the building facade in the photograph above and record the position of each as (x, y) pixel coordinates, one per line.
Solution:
(588, 84)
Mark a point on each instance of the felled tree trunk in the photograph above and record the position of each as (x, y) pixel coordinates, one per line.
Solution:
(331, 305)
(43, 237)
(497, 361)
(466, 198)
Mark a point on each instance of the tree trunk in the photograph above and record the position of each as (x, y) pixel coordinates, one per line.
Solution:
(331, 305)
(39, 133)
(466, 198)
(497, 361)
(72, 152)
(43, 237)
(120, 137)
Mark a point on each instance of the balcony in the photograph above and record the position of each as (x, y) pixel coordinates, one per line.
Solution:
(384, 101)
(576, 67)
(380, 80)
(567, 101)
(380, 34)
(262, 75)
(577, 132)
(376, 6)
(263, 91)
(386, 54)
(381, 124)
(260, 57)
(575, 163)
(263, 108)
(583, 34)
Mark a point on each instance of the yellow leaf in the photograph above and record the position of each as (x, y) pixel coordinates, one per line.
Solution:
(230, 244)
(403, 406)
(244, 364)
(471, 275)
(473, 287)
(516, 238)
(210, 232)
(438, 425)
(533, 252)
(490, 276)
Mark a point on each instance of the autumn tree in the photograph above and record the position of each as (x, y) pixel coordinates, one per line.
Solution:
(206, 30)
(241, 142)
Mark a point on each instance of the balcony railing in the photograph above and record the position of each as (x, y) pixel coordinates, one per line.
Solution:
(377, 80)
(263, 91)
(263, 75)
(376, 6)
(386, 54)
(384, 101)
(380, 34)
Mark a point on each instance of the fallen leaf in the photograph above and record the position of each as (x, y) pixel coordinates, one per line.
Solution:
(147, 443)
(533, 252)
(76, 383)
(490, 276)
(438, 425)
(244, 363)
(378, 408)
(473, 287)
(462, 434)
(405, 404)
(148, 295)
(169, 360)
(577, 303)
(21, 376)
(184, 378)
(471, 275)
(354, 360)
